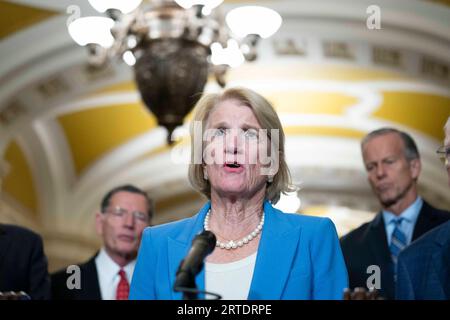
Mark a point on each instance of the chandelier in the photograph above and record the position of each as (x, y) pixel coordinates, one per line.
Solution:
(173, 46)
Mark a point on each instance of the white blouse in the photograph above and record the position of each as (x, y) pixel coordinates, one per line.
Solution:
(231, 280)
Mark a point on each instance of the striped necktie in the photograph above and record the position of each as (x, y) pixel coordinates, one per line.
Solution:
(398, 242)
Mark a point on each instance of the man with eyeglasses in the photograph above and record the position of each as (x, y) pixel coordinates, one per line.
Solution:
(125, 212)
(424, 267)
(393, 166)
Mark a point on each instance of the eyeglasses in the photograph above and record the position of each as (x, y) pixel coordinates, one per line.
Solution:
(444, 154)
(120, 213)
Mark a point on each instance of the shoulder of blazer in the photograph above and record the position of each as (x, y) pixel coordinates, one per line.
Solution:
(428, 219)
(14, 231)
(432, 240)
(434, 213)
(89, 282)
(88, 265)
(443, 234)
(59, 277)
(22, 241)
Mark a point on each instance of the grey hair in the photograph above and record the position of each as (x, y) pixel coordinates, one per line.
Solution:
(410, 151)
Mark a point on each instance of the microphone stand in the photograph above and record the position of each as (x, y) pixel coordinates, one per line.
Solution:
(186, 284)
(202, 245)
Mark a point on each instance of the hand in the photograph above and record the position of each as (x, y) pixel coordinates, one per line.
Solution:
(11, 295)
(361, 294)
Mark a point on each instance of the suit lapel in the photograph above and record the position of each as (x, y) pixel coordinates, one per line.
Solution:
(379, 248)
(275, 256)
(425, 221)
(179, 246)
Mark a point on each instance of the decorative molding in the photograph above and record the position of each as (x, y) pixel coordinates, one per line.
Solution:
(11, 112)
(364, 53)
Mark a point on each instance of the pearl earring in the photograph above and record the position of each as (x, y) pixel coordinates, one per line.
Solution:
(269, 179)
(205, 175)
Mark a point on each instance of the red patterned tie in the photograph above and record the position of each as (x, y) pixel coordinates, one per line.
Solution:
(123, 288)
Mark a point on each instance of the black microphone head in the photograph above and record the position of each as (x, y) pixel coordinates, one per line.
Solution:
(209, 238)
(202, 245)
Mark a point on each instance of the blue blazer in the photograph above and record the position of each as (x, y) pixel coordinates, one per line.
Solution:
(424, 267)
(299, 257)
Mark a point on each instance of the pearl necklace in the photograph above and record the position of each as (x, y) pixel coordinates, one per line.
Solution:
(234, 244)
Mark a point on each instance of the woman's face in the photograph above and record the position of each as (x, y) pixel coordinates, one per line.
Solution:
(233, 142)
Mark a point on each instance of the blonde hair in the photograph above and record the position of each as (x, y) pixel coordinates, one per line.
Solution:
(267, 118)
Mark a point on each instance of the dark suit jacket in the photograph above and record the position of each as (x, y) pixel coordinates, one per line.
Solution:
(90, 288)
(367, 245)
(424, 267)
(23, 264)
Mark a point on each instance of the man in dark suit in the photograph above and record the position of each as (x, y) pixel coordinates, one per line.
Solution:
(125, 212)
(393, 165)
(424, 267)
(23, 264)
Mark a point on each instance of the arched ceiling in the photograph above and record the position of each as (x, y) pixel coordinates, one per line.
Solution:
(68, 134)
(16, 17)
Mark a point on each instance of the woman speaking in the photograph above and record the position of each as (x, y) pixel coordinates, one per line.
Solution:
(261, 252)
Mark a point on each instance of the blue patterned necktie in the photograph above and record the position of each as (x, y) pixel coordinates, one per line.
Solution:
(398, 243)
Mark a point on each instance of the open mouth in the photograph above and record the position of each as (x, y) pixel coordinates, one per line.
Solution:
(233, 165)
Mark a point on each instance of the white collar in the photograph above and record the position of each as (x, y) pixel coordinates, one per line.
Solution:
(108, 269)
(410, 214)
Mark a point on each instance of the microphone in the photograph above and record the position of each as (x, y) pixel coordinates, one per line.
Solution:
(202, 245)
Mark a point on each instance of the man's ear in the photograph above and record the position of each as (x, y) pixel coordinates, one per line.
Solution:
(415, 166)
(99, 220)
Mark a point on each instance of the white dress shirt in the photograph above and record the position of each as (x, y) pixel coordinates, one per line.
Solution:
(108, 274)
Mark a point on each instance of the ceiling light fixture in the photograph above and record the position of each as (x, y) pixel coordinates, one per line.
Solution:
(173, 46)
